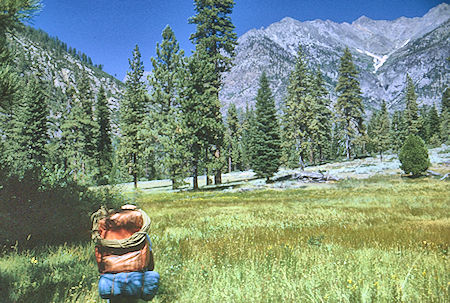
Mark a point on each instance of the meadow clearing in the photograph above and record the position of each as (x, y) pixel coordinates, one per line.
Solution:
(382, 239)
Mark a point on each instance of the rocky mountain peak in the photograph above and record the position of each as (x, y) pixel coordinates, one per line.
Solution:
(384, 51)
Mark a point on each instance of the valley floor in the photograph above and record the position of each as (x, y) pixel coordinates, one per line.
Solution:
(353, 169)
(381, 239)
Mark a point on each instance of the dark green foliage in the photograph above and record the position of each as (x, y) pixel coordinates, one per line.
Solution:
(266, 141)
(200, 110)
(414, 156)
(379, 130)
(71, 142)
(411, 111)
(88, 125)
(12, 13)
(248, 130)
(27, 136)
(103, 143)
(214, 32)
(398, 131)
(36, 211)
(445, 105)
(445, 116)
(321, 123)
(432, 126)
(132, 110)
(214, 37)
(297, 114)
(166, 134)
(233, 139)
(349, 106)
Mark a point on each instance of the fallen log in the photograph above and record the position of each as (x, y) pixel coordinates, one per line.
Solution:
(307, 176)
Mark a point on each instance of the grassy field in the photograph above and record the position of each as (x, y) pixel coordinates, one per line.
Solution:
(383, 239)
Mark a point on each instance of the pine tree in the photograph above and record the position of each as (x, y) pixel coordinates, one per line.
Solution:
(433, 125)
(320, 126)
(445, 116)
(215, 36)
(88, 125)
(248, 130)
(232, 136)
(297, 114)
(411, 110)
(166, 83)
(398, 131)
(103, 139)
(28, 137)
(200, 110)
(381, 138)
(13, 13)
(445, 103)
(349, 106)
(72, 142)
(132, 110)
(266, 141)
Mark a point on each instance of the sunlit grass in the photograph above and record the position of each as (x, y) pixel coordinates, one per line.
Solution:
(383, 239)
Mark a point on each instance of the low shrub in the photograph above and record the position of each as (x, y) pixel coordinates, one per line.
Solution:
(414, 156)
(33, 212)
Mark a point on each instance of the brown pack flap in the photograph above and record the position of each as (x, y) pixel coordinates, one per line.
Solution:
(121, 225)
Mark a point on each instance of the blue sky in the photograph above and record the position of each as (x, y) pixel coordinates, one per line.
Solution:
(108, 30)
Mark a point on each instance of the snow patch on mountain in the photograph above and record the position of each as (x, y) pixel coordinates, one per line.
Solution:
(378, 61)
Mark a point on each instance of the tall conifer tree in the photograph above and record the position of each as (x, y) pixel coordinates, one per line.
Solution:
(27, 143)
(381, 138)
(445, 116)
(320, 126)
(72, 142)
(166, 84)
(297, 114)
(103, 139)
(248, 130)
(349, 106)
(216, 37)
(88, 125)
(398, 130)
(132, 110)
(200, 110)
(266, 141)
(232, 138)
(411, 111)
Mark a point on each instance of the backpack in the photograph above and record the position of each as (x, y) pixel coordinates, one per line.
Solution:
(121, 240)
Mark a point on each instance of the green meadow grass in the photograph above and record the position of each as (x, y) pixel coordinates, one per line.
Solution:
(383, 239)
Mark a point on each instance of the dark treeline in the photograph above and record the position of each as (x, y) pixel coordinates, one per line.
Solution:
(54, 44)
(55, 142)
(47, 155)
(170, 125)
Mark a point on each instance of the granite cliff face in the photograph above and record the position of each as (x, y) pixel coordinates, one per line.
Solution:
(383, 51)
(39, 54)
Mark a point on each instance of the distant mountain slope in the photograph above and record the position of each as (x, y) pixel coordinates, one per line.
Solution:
(384, 51)
(37, 53)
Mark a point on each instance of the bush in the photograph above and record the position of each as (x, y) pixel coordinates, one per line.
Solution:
(414, 156)
(34, 213)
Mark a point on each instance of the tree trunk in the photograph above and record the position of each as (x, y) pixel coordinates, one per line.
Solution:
(218, 175)
(208, 182)
(135, 179)
(381, 156)
(302, 164)
(195, 177)
(347, 146)
(229, 164)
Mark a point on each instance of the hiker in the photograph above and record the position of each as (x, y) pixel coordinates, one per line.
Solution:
(124, 255)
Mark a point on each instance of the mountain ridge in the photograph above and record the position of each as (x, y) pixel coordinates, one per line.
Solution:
(373, 43)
